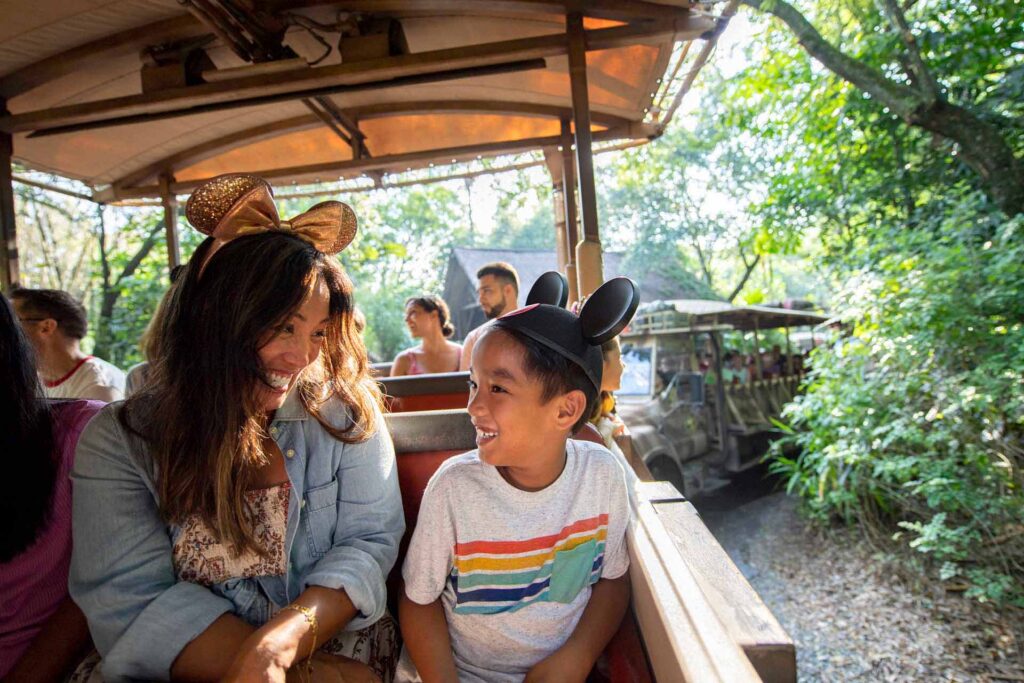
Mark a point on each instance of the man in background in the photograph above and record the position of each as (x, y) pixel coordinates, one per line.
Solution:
(56, 323)
(498, 293)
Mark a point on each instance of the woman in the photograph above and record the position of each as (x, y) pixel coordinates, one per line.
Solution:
(429, 320)
(244, 510)
(604, 417)
(42, 632)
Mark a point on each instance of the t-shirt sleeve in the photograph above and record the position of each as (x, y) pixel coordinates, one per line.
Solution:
(616, 553)
(429, 558)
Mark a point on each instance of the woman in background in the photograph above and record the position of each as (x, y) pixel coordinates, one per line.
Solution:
(42, 632)
(428, 320)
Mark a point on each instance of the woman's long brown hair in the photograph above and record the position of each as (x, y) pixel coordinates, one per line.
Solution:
(199, 414)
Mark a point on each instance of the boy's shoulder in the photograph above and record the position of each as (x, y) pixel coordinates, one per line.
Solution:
(455, 469)
(593, 454)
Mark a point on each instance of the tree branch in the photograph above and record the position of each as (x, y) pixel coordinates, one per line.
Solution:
(919, 70)
(142, 253)
(902, 100)
(746, 275)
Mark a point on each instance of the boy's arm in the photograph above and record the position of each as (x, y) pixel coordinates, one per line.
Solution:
(601, 618)
(425, 632)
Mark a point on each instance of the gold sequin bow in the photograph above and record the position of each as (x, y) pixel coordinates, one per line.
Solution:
(240, 204)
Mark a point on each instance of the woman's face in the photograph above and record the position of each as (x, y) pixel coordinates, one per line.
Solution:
(418, 320)
(293, 347)
(611, 373)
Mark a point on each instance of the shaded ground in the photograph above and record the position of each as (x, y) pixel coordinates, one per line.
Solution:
(851, 616)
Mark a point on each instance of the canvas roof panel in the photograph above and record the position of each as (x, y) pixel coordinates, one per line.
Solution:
(101, 128)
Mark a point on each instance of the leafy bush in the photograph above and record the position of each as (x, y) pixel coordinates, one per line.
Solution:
(913, 421)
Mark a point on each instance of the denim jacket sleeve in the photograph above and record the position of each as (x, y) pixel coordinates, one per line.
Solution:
(122, 575)
(370, 525)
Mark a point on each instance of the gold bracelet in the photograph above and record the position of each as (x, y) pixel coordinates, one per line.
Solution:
(314, 624)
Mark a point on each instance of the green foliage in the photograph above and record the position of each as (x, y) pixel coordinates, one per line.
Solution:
(914, 421)
(911, 424)
(401, 251)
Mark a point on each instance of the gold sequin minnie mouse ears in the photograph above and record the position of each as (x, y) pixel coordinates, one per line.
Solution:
(239, 204)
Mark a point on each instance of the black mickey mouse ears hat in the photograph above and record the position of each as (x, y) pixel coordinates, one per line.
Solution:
(578, 338)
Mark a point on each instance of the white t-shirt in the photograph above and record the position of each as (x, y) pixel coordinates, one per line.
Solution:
(94, 378)
(513, 568)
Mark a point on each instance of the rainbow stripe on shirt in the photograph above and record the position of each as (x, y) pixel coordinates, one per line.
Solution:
(489, 577)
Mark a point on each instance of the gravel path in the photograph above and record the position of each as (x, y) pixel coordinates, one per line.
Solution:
(852, 619)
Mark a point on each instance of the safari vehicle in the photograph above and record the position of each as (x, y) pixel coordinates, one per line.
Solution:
(686, 425)
(144, 100)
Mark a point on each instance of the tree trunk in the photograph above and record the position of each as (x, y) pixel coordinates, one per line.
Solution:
(111, 292)
(982, 145)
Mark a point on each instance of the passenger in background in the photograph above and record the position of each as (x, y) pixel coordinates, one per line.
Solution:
(498, 293)
(733, 369)
(429, 320)
(42, 632)
(55, 323)
(151, 341)
(604, 417)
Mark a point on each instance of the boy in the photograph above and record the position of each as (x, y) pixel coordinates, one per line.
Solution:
(518, 563)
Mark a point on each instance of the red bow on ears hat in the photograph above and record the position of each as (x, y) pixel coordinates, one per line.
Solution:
(578, 338)
(238, 204)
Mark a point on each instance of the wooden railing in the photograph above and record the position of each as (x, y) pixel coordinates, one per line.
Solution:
(700, 618)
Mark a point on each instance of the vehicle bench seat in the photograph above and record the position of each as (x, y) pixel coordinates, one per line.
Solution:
(440, 391)
(425, 439)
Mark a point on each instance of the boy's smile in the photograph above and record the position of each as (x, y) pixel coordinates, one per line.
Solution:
(516, 430)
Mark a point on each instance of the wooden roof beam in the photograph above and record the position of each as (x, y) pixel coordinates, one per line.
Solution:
(618, 10)
(390, 163)
(255, 134)
(88, 54)
(460, 62)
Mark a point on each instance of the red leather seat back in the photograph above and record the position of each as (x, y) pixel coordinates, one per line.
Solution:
(409, 404)
(412, 393)
(588, 432)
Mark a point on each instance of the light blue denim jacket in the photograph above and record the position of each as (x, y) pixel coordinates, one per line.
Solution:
(344, 524)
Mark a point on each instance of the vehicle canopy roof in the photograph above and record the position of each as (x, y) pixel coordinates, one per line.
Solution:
(121, 93)
(678, 314)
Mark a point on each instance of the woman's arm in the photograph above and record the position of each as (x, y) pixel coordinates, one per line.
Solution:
(601, 618)
(122, 575)
(425, 632)
(56, 649)
(370, 523)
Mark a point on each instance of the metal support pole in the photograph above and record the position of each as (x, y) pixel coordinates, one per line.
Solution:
(572, 232)
(588, 251)
(789, 354)
(8, 228)
(170, 222)
(553, 161)
(757, 352)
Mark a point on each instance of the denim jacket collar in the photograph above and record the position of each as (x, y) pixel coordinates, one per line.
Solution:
(292, 408)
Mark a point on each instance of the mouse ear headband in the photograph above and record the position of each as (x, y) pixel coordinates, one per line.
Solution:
(238, 204)
(578, 338)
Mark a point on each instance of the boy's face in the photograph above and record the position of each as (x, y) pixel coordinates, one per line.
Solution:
(515, 428)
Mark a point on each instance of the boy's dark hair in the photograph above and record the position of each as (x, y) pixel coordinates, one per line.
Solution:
(505, 272)
(558, 374)
(56, 304)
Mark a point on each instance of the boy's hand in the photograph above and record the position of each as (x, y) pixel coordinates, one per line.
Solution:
(345, 669)
(558, 667)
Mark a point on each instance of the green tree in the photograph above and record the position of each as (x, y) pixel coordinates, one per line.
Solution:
(910, 60)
